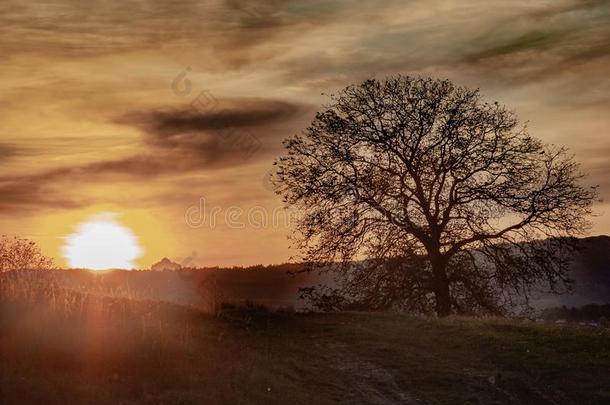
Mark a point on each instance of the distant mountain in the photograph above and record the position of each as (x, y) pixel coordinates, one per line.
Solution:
(591, 272)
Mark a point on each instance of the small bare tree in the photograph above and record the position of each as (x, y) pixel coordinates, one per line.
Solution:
(21, 254)
(428, 198)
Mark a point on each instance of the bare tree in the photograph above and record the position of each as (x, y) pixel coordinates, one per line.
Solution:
(21, 254)
(424, 196)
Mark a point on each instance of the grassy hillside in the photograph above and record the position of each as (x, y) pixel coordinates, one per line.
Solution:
(81, 348)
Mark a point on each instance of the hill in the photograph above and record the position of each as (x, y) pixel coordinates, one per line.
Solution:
(590, 271)
(87, 350)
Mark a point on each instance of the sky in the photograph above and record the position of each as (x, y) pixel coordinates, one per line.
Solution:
(167, 115)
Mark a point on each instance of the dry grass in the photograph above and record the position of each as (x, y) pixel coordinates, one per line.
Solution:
(61, 345)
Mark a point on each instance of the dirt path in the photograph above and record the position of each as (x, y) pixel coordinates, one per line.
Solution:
(371, 383)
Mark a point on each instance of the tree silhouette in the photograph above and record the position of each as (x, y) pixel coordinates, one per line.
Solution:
(428, 198)
(21, 254)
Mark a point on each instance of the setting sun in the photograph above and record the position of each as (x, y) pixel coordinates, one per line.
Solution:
(102, 243)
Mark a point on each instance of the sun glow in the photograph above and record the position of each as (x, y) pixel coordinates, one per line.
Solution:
(101, 243)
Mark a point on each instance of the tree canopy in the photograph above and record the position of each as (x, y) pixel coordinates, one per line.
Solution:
(426, 197)
(21, 254)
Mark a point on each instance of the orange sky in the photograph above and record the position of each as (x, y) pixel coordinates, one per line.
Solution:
(148, 108)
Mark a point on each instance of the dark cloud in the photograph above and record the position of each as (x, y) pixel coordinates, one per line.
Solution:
(561, 8)
(177, 142)
(216, 135)
(543, 43)
(238, 114)
(530, 41)
(28, 193)
(23, 198)
(49, 189)
(8, 151)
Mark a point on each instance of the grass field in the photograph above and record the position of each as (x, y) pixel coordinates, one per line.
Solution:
(66, 347)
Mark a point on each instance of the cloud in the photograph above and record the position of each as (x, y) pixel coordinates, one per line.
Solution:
(234, 114)
(217, 136)
(78, 65)
(28, 193)
(226, 30)
(555, 9)
(8, 151)
(597, 168)
(543, 43)
(53, 188)
(176, 141)
(389, 35)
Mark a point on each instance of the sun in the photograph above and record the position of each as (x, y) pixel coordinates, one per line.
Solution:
(101, 243)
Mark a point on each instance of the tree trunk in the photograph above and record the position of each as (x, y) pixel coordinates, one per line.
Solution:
(441, 288)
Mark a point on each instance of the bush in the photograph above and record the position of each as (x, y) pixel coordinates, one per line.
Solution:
(21, 254)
